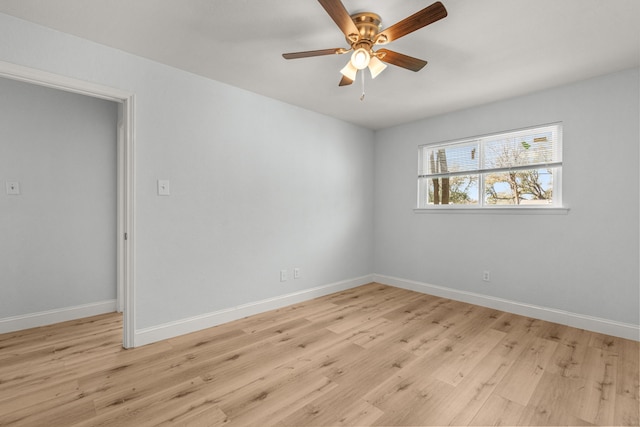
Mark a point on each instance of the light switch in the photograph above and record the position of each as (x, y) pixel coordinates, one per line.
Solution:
(163, 187)
(13, 187)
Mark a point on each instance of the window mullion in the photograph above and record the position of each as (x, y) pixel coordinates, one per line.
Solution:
(481, 185)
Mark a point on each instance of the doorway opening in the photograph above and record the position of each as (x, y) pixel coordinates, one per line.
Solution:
(125, 227)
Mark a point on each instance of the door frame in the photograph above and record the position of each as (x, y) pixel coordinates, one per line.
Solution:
(125, 175)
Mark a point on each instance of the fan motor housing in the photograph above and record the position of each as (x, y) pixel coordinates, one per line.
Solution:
(369, 25)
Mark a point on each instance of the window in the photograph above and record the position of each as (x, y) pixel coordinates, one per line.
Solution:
(511, 169)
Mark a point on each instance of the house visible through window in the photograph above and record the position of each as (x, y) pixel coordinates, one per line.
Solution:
(510, 169)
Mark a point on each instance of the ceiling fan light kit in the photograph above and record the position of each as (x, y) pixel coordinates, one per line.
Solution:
(362, 32)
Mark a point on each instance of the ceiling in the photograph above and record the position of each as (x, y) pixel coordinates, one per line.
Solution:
(483, 51)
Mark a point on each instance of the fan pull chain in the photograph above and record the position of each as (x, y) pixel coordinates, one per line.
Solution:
(362, 75)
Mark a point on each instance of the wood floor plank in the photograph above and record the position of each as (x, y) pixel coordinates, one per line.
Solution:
(409, 327)
(597, 398)
(344, 317)
(520, 383)
(340, 407)
(199, 414)
(628, 375)
(467, 358)
(46, 335)
(365, 373)
(498, 411)
(606, 342)
(473, 320)
(30, 377)
(59, 404)
(420, 304)
(554, 403)
(275, 400)
(152, 408)
(475, 389)
(368, 333)
(38, 395)
(517, 326)
(409, 379)
(627, 411)
(371, 355)
(270, 320)
(568, 359)
(416, 408)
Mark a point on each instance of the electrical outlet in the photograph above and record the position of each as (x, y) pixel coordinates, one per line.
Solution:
(296, 273)
(163, 187)
(13, 188)
(486, 276)
(283, 275)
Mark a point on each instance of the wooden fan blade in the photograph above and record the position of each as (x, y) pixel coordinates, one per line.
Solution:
(309, 53)
(340, 16)
(345, 81)
(400, 60)
(426, 16)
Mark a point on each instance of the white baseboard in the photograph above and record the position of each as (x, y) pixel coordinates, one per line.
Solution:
(208, 320)
(581, 321)
(196, 323)
(43, 318)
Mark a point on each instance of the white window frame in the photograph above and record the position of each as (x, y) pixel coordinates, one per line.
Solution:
(556, 207)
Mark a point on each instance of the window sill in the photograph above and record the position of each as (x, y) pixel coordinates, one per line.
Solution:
(502, 210)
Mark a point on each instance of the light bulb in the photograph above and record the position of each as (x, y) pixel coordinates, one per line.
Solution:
(360, 59)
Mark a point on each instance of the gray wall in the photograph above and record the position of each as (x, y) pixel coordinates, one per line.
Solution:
(259, 185)
(256, 185)
(58, 246)
(585, 262)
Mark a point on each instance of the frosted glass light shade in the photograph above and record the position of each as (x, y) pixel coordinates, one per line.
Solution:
(376, 66)
(349, 71)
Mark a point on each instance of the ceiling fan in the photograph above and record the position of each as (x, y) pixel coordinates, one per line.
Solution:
(363, 32)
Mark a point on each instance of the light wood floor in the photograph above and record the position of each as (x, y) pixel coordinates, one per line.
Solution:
(373, 355)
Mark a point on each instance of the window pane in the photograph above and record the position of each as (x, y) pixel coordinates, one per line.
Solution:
(451, 158)
(525, 187)
(456, 190)
(531, 149)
